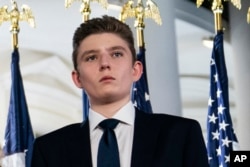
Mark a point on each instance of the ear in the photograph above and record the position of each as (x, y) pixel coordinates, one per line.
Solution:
(137, 71)
(76, 78)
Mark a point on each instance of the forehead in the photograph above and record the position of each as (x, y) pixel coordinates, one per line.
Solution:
(103, 39)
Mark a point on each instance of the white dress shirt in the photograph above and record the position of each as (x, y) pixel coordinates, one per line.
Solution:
(124, 133)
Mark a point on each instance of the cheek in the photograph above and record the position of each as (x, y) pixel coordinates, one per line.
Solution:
(82, 75)
(128, 75)
(87, 76)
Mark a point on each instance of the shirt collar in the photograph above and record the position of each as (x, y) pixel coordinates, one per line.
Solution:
(126, 115)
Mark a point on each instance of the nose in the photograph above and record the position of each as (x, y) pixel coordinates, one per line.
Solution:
(104, 62)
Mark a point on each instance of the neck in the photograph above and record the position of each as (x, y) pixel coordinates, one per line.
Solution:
(109, 109)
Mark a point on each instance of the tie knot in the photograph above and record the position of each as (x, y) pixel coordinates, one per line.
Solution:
(109, 123)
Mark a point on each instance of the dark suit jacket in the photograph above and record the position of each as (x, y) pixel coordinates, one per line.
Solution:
(160, 140)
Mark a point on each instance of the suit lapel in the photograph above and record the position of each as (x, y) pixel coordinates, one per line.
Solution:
(144, 143)
(145, 140)
(79, 150)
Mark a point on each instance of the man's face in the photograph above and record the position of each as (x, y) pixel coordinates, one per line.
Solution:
(105, 68)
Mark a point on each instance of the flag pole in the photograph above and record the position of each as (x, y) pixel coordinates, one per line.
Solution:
(14, 28)
(139, 24)
(248, 16)
(140, 12)
(217, 8)
(85, 7)
(14, 16)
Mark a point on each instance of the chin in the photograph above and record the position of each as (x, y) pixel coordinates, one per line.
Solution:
(111, 97)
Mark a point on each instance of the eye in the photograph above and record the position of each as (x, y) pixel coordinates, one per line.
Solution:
(117, 54)
(91, 58)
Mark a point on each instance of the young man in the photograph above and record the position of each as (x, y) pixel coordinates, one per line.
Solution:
(105, 66)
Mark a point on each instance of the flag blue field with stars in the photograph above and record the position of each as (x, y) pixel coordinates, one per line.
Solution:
(140, 95)
(221, 138)
(19, 136)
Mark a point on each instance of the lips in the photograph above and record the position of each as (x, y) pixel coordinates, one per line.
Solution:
(106, 78)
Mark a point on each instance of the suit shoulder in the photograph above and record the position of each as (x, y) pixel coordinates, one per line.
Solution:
(63, 132)
(173, 118)
(163, 119)
(170, 124)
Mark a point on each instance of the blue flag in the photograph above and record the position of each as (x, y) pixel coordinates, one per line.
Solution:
(140, 96)
(220, 134)
(85, 104)
(19, 136)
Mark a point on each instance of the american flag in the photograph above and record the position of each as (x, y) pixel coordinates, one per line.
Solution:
(19, 136)
(140, 96)
(220, 134)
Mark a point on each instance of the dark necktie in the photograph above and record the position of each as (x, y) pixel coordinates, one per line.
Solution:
(108, 154)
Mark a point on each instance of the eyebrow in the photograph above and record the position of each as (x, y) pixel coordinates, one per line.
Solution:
(117, 48)
(88, 52)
